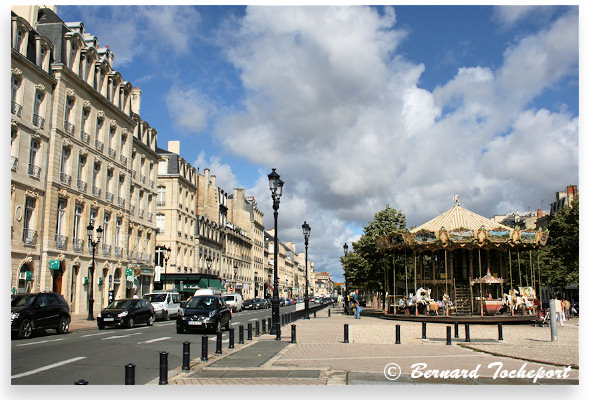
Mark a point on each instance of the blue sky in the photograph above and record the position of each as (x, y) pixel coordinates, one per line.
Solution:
(359, 107)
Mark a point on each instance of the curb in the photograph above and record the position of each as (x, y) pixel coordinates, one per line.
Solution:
(573, 366)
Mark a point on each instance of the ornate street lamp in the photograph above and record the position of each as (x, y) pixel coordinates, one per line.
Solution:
(255, 284)
(162, 260)
(306, 231)
(93, 243)
(276, 187)
(235, 268)
(209, 261)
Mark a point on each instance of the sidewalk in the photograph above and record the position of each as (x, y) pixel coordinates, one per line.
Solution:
(80, 322)
(321, 357)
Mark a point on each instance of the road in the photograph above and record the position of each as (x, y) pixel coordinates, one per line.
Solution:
(100, 356)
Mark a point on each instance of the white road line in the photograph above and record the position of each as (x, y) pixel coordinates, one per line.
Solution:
(155, 340)
(235, 323)
(96, 334)
(47, 367)
(252, 319)
(122, 336)
(42, 341)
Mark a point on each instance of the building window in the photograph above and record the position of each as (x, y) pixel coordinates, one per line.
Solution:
(77, 221)
(105, 228)
(160, 223)
(160, 201)
(69, 108)
(60, 217)
(28, 215)
(34, 170)
(118, 224)
(38, 120)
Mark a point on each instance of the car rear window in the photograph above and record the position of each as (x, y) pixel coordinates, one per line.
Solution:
(229, 297)
(156, 298)
(203, 303)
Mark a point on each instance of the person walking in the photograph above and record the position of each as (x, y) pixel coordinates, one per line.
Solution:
(356, 305)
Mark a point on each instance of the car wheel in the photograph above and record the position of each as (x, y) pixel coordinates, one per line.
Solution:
(26, 329)
(129, 323)
(150, 320)
(63, 326)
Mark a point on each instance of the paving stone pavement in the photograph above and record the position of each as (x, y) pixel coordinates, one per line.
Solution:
(372, 347)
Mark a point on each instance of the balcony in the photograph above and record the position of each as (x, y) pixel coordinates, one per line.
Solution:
(109, 197)
(112, 153)
(151, 184)
(81, 185)
(34, 171)
(106, 250)
(123, 159)
(69, 127)
(16, 109)
(150, 216)
(145, 258)
(119, 252)
(78, 245)
(85, 137)
(13, 163)
(143, 179)
(160, 203)
(96, 191)
(141, 213)
(99, 145)
(61, 241)
(29, 237)
(121, 201)
(65, 179)
(38, 121)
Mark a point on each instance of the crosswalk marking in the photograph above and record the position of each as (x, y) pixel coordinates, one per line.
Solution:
(47, 367)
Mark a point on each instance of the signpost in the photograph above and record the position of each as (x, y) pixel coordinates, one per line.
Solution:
(54, 264)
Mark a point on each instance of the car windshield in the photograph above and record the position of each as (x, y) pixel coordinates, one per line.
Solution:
(22, 300)
(203, 303)
(247, 301)
(121, 304)
(228, 298)
(155, 298)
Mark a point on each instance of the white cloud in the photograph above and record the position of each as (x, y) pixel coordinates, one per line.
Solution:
(226, 179)
(345, 123)
(507, 16)
(189, 108)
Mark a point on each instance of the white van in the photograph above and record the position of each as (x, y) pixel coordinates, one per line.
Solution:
(234, 301)
(165, 304)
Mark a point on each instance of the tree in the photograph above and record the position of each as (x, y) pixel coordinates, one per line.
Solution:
(560, 256)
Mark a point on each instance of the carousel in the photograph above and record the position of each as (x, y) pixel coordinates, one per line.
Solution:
(464, 264)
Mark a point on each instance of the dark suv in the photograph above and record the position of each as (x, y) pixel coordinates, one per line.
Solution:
(38, 311)
(204, 312)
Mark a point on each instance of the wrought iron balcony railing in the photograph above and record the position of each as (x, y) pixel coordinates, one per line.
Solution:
(34, 170)
(160, 203)
(85, 137)
(65, 179)
(150, 216)
(141, 213)
(119, 252)
(123, 159)
(13, 163)
(112, 153)
(69, 127)
(29, 236)
(16, 109)
(143, 179)
(81, 185)
(61, 242)
(99, 145)
(106, 250)
(121, 201)
(96, 191)
(109, 197)
(78, 245)
(38, 121)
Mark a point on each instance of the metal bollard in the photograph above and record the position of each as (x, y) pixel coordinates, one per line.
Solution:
(231, 338)
(130, 374)
(329, 312)
(448, 335)
(398, 334)
(500, 331)
(204, 348)
(219, 349)
(293, 333)
(467, 333)
(423, 330)
(163, 368)
(249, 330)
(241, 339)
(456, 330)
(346, 333)
(278, 337)
(81, 382)
(264, 326)
(315, 314)
(186, 357)
(257, 329)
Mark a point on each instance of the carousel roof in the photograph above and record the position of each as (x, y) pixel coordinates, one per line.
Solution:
(458, 217)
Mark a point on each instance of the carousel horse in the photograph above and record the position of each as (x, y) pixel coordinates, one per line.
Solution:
(422, 298)
(567, 308)
(447, 304)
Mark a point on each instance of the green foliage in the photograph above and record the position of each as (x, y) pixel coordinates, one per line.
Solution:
(560, 257)
(365, 266)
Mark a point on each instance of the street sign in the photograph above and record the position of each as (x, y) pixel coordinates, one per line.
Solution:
(129, 272)
(54, 264)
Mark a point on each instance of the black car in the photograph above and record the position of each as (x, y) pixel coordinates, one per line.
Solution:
(126, 313)
(37, 311)
(204, 312)
(249, 304)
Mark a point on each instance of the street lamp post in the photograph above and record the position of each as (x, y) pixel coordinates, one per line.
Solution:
(306, 231)
(208, 265)
(276, 187)
(162, 260)
(235, 268)
(346, 280)
(93, 243)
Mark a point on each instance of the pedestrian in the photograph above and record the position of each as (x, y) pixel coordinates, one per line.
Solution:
(558, 311)
(356, 305)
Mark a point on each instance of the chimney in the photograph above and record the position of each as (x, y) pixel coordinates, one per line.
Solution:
(136, 100)
(570, 190)
(173, 146)
(206, 172)
(539, 213)
(213, 179)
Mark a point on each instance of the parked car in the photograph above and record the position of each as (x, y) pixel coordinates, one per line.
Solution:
(126, 313)
(260, 302)
(249, 304)
(204, 312)
(234, 301)
(269, 303)
(165, 304)
(37, 311)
